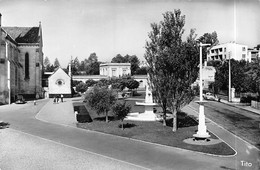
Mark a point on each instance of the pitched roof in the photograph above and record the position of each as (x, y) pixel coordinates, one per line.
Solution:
(23, 34)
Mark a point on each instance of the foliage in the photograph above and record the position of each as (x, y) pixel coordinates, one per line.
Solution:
(172, 64)
(90, 82)
(81, 87)
(244, 76)
(75, 83)
(119, 59)
(103, 83)
(92, 58)
(93, 68)
(48, 67)
(208, 38)
(132, 84)
(141, 71)
(101, 100)
(88, 66)
(127, 59)
(120, 110)
(56, 63)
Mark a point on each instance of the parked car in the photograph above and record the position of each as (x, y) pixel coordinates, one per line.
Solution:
(209, 96)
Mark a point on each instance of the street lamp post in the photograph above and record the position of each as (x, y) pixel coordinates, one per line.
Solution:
(202, 129)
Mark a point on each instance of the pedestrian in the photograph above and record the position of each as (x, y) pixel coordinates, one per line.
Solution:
(57, 98)
(61, 98)
(54, 100)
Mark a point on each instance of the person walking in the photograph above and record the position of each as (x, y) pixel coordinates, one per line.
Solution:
(61, 98)
(57, 100)
(54, 100)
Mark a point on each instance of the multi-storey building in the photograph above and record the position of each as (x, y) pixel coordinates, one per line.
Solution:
(228, 50)
(21, 61)
(254, 54)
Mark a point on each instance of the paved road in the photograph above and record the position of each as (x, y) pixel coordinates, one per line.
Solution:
(244, 124)
(95, 150)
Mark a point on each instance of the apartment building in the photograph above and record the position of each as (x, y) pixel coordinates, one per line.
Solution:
(230, 50)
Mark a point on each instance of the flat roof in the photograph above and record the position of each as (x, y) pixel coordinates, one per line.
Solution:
(115, 64)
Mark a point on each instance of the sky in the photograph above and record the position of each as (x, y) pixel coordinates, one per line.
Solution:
(78, 28)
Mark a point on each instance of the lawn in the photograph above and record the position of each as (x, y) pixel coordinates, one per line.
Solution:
(154, 132)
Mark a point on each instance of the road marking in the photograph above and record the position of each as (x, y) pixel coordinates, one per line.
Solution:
(114, 159)
(193, 109)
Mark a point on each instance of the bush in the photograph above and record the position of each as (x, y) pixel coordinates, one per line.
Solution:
(83, 114)
(248, 99)
(121, 110)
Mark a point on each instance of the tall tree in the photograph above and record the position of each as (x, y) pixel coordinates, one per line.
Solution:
(48, 67)
(134, 63)
(56, 63)
(46, 62)
(119, 59)
(92, 58)
(93, 69)
(208, 38)
(172, 64)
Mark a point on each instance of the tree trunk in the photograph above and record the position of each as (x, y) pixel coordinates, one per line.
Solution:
(164, 117)
(122, 122)
(106, 117)
(174, 120)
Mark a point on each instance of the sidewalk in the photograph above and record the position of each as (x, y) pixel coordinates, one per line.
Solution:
(62, 114)
(247, 108)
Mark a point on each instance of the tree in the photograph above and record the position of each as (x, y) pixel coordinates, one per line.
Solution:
(46, 62)
(134, 63)
(93, 69)
(208, 38)
(238, 76)
(48, 67)
(132, 84)
(141, 71)
(90, 82)
(119, 59)
(101, 100)
(172, 64)
(92, 58)
(56, 63)
(81, 87)
(121, 110)
(258, 47)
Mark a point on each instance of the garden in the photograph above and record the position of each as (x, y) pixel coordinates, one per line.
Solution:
(149, 131)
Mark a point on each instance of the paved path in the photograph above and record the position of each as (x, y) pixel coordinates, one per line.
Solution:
(55, 127)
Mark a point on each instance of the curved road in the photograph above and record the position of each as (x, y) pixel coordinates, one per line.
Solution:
(32, 144)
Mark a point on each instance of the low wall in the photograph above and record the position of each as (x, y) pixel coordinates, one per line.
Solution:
(64, 95)
(255, 104)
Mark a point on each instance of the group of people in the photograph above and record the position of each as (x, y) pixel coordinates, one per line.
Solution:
(57, 97)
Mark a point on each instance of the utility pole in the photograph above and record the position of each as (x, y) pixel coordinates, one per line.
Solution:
(202, 129)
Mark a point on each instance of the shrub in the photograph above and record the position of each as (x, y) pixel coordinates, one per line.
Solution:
(101, 100)
(83, 114)
(121, 109)
(247, 99)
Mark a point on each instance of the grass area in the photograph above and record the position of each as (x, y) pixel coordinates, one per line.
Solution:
(237, 122)
(155, 132)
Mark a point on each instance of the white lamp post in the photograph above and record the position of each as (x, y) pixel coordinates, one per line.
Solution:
(202, 129)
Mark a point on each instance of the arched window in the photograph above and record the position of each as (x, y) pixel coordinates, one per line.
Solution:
(26, 65)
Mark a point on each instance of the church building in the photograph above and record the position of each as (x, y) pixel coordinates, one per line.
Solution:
(21, 62)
